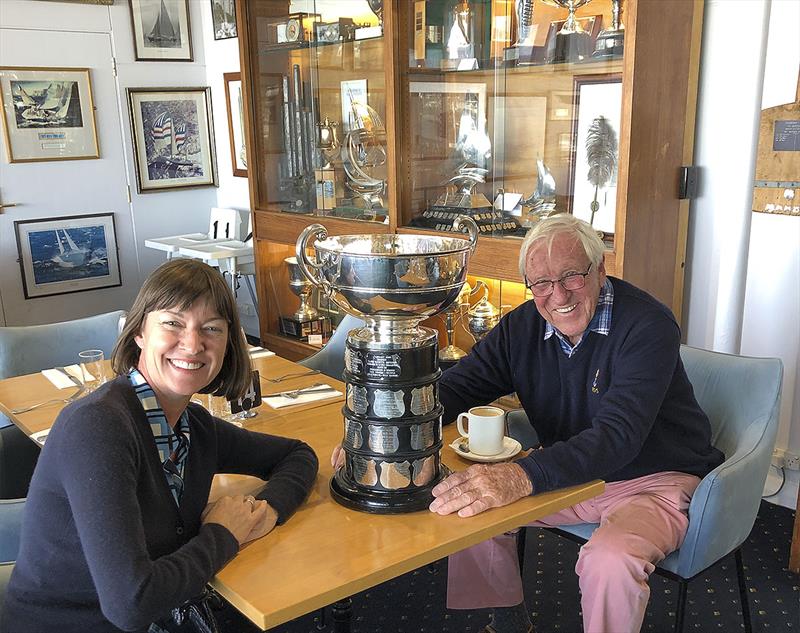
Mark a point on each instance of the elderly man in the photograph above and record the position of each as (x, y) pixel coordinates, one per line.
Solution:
(596, 365)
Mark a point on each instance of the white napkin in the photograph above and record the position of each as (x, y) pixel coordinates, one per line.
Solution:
(40, 436)
(278, 402)
(61, 381)
(259, 352)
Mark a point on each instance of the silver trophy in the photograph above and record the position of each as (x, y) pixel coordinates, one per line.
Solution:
(573, 43)
(392, 416)
(303, 288)
(610, 42)
(482, 316)
(452, 353)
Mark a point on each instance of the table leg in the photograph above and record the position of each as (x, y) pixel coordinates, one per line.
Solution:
(794, 556)
(341, 611)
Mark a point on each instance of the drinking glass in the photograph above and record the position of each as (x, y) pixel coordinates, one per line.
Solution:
(92, 368)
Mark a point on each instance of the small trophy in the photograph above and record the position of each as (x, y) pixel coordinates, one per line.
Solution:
(482, 316)
(573, 43)
(451, 353)
(328, 189)
(306, 319)
(460, 38)
(610, 41)
(542, 202)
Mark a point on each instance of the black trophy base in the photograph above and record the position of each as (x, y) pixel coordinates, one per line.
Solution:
(489, 220)
(351, 496)
(302, 329)
(572, 47)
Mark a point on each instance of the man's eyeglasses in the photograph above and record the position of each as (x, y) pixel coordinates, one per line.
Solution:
(570, 281)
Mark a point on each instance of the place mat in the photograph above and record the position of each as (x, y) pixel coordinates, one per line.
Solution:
(278, 402)
(61, 381)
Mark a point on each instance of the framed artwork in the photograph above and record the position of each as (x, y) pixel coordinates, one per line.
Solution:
(161, 30)
(353, 91)
(233, 99)
(48, 114)
(223, 13)
(67, 254)
(595, 149)
(173, 138)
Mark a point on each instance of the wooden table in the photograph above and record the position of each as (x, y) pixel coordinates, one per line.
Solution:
(326, 552)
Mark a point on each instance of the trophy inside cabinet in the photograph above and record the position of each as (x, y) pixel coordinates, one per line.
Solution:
(321, 105)
(513, 109)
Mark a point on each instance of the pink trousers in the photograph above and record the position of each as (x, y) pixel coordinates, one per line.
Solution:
(641, 521)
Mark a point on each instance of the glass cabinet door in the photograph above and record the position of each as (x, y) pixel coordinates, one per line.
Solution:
(512, 110)
(318, 107)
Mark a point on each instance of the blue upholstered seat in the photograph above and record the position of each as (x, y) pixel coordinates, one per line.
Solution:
(741, 396)
(330, 359)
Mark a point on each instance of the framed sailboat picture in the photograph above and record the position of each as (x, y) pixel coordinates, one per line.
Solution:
(48, 114)
(173, 138)
(161, 30)
(67, 254)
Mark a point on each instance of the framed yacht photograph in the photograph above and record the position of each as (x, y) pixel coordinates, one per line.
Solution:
(161, 30)
(67, 254)
(223, 14)
(235, 104)
(48, 114)
(173, 138)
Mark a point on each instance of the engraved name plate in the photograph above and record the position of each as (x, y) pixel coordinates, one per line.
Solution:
(357, 399)
(395, 475)
(383, 366)
(388, 404)
(422, 400)
(424, 470)
(352, 433)
(422, 436)
(364, 470)
(353, 361)
(383, 439)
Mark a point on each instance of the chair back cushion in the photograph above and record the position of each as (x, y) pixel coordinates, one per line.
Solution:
(741, 396)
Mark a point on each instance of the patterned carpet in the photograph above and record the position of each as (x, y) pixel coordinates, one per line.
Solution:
(414, 602)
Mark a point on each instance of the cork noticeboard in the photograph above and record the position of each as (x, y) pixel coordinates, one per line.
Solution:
(777, 178)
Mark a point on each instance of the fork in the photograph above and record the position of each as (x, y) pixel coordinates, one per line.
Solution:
(292, 375)
(69, 399)
(296, 393)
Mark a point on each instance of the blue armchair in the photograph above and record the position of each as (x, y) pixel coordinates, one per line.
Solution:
(31, 348)
(741, 396)
(330, 359)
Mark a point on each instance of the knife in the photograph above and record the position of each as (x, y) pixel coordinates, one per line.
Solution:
(298, 392)
(72, 378)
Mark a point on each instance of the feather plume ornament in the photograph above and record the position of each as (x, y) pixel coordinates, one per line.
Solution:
(601, 154)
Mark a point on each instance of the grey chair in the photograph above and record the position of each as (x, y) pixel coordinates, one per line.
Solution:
(10, 530)
(31, 348)
(741, 396)
(330, 359)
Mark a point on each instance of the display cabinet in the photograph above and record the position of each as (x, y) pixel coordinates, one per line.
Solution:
(376, 116)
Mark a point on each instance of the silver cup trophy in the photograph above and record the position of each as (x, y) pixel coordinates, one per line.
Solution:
(392, 416)
(303, 288)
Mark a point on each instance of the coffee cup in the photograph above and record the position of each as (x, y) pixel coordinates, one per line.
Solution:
(486, 429)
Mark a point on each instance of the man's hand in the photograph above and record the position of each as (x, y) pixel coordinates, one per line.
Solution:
(479, 488)
(337, 457)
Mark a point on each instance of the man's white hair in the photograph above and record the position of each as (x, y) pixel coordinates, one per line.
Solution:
(546, 229)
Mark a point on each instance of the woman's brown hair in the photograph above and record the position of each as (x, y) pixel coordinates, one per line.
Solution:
(178, 284)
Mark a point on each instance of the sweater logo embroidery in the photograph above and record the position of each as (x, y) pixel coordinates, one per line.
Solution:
(594, 384)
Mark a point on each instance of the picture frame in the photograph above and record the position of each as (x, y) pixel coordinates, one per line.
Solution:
(353, 90)
(173, 138)
(161, 30)
(48, 114)
(595, 96)
(234, 100)
(67, 254)
(223, 16)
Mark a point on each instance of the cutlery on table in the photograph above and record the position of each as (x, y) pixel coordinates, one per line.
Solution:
(296, 393)
(292, 375)
(68, 399)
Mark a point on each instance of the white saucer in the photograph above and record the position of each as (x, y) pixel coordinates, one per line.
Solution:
(510, 448)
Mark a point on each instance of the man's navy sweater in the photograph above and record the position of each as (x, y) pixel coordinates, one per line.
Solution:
(620, 407)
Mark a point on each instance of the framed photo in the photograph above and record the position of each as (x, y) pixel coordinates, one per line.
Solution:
(67, 254)
(595, 149)
(48, 114)
(161, 30)
(223, 13)
(233, 99)
(173, 138)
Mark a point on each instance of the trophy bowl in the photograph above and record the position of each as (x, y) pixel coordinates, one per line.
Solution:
(303, 288)
(392, 416)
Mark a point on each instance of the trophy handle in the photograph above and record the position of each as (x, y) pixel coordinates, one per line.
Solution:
(479, 286)
(462, 221)
(311, 268)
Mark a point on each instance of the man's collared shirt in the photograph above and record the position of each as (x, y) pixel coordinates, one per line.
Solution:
(600, 323)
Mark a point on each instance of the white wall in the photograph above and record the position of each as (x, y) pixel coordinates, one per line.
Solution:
(743, 267)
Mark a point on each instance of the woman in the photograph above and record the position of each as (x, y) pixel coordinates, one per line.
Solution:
(117, 527)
